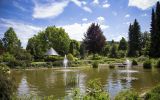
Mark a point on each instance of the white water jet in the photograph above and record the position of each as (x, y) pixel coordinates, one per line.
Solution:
(65, 62)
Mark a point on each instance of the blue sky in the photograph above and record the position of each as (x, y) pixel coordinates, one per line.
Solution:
(28, 17)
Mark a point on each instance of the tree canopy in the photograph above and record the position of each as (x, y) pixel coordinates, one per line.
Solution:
(94, 39)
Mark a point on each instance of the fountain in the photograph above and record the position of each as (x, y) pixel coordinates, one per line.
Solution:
(65, 62)
(128, 71)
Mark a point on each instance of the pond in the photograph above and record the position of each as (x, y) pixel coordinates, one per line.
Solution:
(59, 81)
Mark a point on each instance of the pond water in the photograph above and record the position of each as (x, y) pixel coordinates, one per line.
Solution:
(59, 82)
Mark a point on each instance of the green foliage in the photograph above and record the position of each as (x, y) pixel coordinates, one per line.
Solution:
(112, 66)
(4, 68)
(96, 57)
(154, 94)
(95, 91)
(135, 43)
(74, 48)
(95, 64)
(106, 50)
(147, 64)
(127, 95)
(113, 51)
(155, 32)
(158, 64)
(23, 55)
(82, 50)
(7, 86)
(122, 44)
(53, 58)
(7, 57)
(11, 43)
(121, 53)
(134, 62)
(142, 58)
(51, 37)
(70, 57)
(94, 39)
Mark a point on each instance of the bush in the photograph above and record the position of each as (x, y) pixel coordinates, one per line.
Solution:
(96, 57)
(111, 66)
(154, 94)
(142, 58)
(158, 64)
(8, 57)
(52, 58)
(70, 57)
(4, 68)
(7, 87)
(134, 62)
(18, 63)
(1, 59)
(95, 64)
(147, 64)
(127, 95)
(121, 54)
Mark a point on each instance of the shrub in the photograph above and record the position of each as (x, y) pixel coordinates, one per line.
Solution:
(53, 58)
(96, 57)
(111, 66)
(134, 62)
(158, 64)
(121, 54)
(1, 59)
(7, 87)
(147, 64)
(127, 95)
(142, 58)
(70, 57)
(8, 57)
(154, 94)
(95, 64)
(4, 68)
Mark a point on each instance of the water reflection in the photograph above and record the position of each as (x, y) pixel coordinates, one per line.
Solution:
(60, 82)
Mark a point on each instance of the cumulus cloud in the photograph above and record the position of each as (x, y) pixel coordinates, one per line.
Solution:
(106, 4)
(24, 31)
(53, 9)
(100, 19)
(127, 16)
(142, 4)
(77, 30)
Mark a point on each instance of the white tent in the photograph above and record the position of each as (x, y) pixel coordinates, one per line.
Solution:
(51, 52)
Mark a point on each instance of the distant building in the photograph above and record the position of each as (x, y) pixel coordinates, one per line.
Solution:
(51, 52)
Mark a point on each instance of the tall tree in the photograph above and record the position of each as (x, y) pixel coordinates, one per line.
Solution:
(122, 44)
(1, 47)
(155, 32)
(134, 40)
(74, 47)
(94, 39)
(11, 42)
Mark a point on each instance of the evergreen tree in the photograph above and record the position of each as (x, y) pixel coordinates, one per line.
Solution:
(113, 51)
(82, 50)
(122, 44)
(11, 42)
(94, 39)
(155, 32)
(135, 42)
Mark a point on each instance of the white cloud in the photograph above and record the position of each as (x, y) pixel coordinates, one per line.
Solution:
(142, 4)
(16, 4)
(127, 16)
(106, 4)
(84, 19)
(53, 9)
(100, 19)
(24, 31)
(49, 9)
(95, 1)
(87, 9)
(77, 30)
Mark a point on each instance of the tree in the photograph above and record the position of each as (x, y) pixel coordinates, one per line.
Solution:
(94, 39)
(74, 47)
(82, 50)
(1, 47)
(122, 44)
(53, 37)
(11, 42)
(113, 51)
(106, 50)
(145, 43)
(135, 42)
(155, 32)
